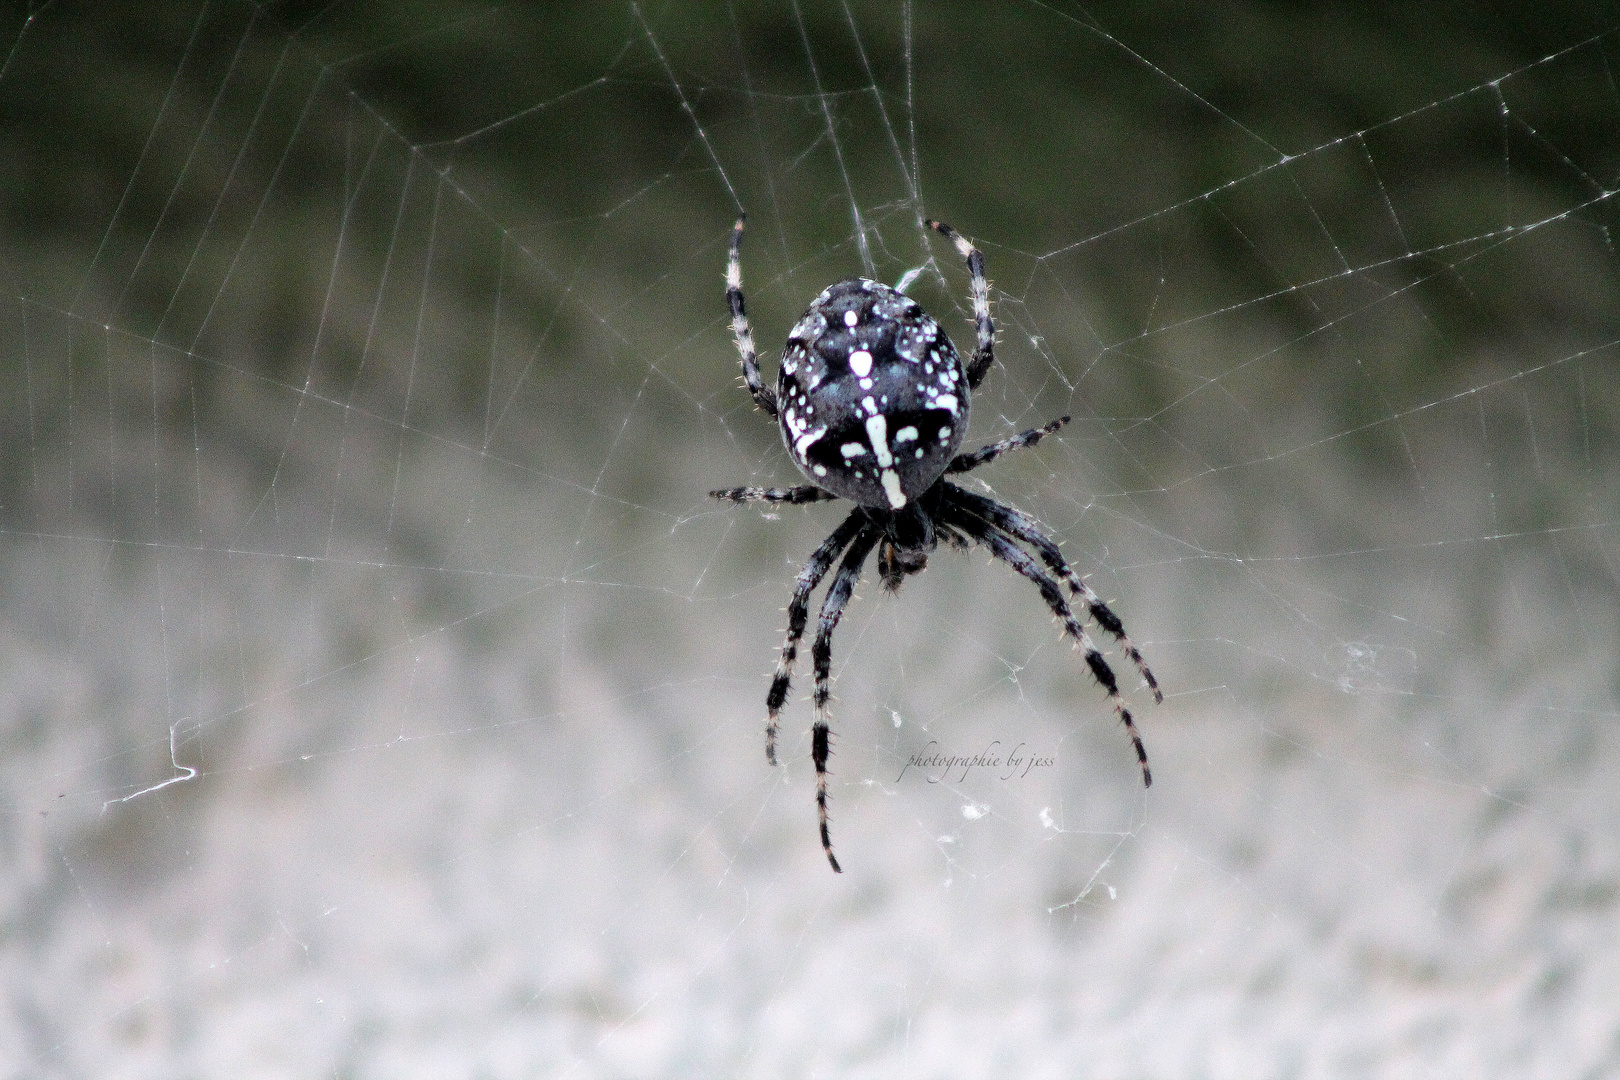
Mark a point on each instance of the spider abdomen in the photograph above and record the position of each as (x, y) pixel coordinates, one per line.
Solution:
(873, 398)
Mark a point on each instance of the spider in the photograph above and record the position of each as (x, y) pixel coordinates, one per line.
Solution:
(872, 400)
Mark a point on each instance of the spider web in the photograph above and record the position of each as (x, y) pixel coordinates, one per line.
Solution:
(383, 693)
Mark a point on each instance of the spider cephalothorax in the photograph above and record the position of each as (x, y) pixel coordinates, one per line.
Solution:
(873, 402)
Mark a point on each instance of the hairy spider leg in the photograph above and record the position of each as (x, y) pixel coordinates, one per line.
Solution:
(962, 463)
(985, 354)
(832, 608)
(952, 535)
(1003, 548)
(794, 495)
(810, 576)
(1022, 527)
(764, 397)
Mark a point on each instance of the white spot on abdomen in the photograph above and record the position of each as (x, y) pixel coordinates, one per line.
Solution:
(808, 439)
(877, 430)
(860, 361)
(891, 488)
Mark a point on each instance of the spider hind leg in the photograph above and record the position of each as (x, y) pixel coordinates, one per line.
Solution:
(815, 568)
(1022, 527)
(965, 515)
(832, 609)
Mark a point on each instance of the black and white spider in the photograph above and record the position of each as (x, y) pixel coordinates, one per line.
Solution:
(872, 399)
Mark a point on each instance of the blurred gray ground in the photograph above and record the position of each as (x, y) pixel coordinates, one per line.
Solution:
(382, 694)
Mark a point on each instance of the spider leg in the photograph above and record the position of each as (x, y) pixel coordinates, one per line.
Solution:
(794, 495)
(832, 608)
(962, 463)
(985, 354)
(764, 397)
(1021, 526)
(810, 576)
(952, 535)
(1003, 548)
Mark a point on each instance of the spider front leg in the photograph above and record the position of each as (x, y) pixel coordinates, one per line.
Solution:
(764, 397)
(985, 354)
(798, 614)
(832, 608)
(1003, 548)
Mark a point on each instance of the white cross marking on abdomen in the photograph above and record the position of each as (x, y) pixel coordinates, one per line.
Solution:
(877, 430)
